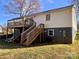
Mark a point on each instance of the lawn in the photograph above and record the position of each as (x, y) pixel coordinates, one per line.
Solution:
(54, 51)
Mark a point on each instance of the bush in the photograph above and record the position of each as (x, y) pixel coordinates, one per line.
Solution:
(77, 36)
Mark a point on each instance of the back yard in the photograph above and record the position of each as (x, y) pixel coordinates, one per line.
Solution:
(55, 51)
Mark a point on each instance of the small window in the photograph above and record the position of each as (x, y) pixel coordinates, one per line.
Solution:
(51, 32)
(47, 17)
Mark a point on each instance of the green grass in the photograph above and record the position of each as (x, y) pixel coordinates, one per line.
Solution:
(77, 32)
(55, 51)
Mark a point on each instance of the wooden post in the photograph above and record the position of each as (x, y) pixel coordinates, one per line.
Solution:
(23, 24)
(40, 37)
(43, 34)
(43, 31)
(40, 32)
(7, 32)
(23, 29)
(14, 33)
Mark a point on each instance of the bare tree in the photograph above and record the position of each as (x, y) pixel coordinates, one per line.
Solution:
(76, 3)
(22, 7)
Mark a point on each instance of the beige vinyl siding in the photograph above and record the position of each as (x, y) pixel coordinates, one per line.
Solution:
(40, 19)
(61, 18)
(58, 18)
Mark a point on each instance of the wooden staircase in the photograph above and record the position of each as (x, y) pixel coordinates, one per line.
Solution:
(28, 38)
(23, 35)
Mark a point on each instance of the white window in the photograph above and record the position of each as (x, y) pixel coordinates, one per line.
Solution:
(50, 32)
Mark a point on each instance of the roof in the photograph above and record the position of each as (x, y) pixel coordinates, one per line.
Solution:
(45, 11)
(53, 9)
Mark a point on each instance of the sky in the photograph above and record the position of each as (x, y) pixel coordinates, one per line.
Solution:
(45, 5)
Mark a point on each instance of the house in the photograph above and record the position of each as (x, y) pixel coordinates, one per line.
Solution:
(58, 25)
(1, 29)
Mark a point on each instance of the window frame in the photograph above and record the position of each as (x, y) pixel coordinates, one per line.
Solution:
(52, 30)
(48, 17)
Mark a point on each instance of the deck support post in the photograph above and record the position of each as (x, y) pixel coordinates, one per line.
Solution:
(7, 32)
(23, 23)
(40, 37)
(43, 35)
(43, 32)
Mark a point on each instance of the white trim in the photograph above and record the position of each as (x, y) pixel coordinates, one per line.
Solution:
(52, 32)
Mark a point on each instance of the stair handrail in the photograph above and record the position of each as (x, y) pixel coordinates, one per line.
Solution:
(35, 31)
(23, 34)
(33, 34)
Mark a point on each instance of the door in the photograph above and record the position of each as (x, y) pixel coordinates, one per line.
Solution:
(62, 35)
(16, 33)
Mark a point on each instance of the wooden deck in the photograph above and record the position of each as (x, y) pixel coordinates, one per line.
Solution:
(17, 22)
(27, 35)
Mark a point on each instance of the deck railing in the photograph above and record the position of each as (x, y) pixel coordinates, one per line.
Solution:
(17, 22)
